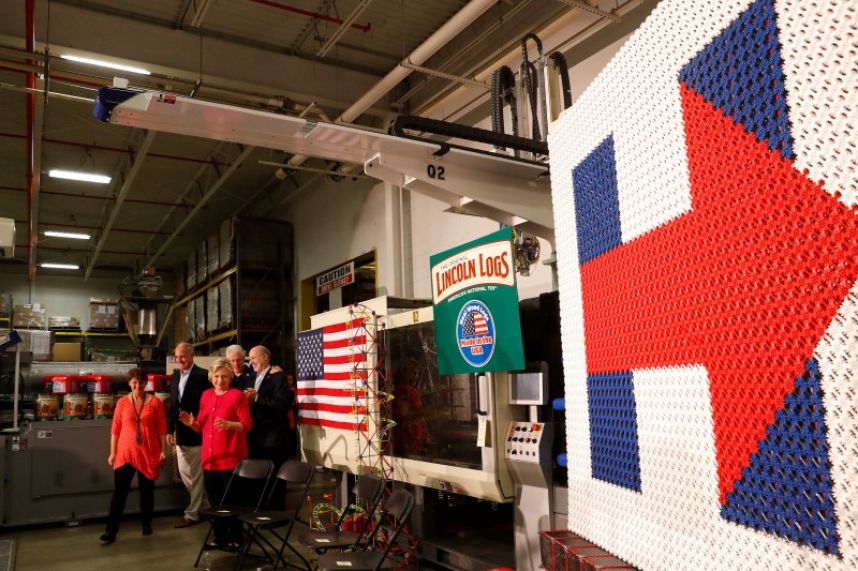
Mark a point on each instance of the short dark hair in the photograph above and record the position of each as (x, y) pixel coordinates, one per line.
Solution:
(136, 373)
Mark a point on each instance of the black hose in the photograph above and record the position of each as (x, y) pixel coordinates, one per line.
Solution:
(503, 91)
(425, 125)
(529, 81)
(559, 61)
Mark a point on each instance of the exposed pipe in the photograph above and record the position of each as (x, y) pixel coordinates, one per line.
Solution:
(29, 44)
(120, 198)
(117, 150)
(338, 33)
(91, 196)
(288, 167)
(211, 191)
(86, 227)
(462, 19)
(308, 13)
(444, 75)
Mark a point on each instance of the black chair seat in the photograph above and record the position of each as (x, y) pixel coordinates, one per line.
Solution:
(268, 518)
(225, 511)
(328, 539)
(353, 561)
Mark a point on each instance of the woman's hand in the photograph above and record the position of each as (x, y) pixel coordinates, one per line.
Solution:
(110, 458)
(186, 418)
(163, 458)
(222, 424)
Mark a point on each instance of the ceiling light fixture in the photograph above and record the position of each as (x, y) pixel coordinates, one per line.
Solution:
(59, 266)
(71, 235)
(77, 175)
(108, 64)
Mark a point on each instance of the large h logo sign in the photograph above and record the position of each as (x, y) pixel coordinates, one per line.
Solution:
(706, 251)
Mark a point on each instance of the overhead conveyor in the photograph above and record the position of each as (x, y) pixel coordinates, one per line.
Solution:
(506, 189)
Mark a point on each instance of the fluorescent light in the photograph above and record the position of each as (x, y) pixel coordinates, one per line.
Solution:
(77, 175)
(72, 235)
(103, 63)
(59, 266)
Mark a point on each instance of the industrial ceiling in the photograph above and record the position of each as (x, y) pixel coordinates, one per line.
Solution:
(353, 61)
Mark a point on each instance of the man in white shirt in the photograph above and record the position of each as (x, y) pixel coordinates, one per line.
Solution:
(189, 383)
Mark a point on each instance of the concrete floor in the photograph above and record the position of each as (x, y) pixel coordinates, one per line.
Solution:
(78, 548)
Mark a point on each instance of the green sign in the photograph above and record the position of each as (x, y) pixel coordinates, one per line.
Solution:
(477, 326)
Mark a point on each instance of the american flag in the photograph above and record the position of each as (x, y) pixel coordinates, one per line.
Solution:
(475, 324)
(332, 369)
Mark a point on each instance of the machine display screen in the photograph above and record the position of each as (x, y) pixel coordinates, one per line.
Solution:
(435, 415)
(527, 388)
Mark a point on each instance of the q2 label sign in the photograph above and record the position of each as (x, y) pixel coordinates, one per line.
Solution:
(477, 326)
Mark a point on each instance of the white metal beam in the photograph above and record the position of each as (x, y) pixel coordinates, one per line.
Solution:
(344, 27)
(139, 158)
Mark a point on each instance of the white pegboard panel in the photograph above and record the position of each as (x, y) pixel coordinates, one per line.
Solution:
(721, 136)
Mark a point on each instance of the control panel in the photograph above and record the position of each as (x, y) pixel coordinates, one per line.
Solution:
(528, 452)
(523, 441)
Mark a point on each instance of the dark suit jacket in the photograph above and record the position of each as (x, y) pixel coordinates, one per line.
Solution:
(246, 379)
(198, 382)
(270, 413)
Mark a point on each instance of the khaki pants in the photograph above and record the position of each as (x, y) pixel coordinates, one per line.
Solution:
(191, 472)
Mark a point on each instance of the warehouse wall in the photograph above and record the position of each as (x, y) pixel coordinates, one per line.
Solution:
(62, 295)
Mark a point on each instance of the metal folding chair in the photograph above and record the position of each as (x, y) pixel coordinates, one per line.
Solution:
(368, 493)
(394, 515)
(292, 473)
(251, 470)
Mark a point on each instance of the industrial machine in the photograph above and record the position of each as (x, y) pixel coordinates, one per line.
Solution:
(55, 469)
(451, 436)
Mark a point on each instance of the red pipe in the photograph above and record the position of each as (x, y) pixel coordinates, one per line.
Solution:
(96, 197)
(29, 46)
(325, 17)
(117, 150)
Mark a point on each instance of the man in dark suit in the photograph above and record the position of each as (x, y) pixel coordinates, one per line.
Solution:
(270, 402)
(244, 373)
(189, 383)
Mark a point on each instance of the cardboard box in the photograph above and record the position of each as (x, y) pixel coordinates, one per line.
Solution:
(202, 264)
(104, 314)
(212, 248)
(212, 307)
(62, 322)
(225, 295)
(191, 271)
(37, 342)
(29, 316)
(225, 244)
(67, 351)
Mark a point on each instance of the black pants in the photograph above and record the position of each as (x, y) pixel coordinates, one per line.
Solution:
(226, 529)
(277, 455)
(122, 478)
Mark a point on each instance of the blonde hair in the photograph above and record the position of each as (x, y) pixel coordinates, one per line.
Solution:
(221, 364)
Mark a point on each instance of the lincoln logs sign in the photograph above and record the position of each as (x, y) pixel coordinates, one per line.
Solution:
(477, 326)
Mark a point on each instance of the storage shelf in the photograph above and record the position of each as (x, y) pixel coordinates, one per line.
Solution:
(215, 338)
(202, 288)
(88, 334)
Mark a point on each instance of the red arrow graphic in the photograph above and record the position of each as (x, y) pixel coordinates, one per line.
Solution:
(744, 284)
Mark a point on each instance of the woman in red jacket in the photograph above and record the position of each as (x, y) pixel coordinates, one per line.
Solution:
(224, 420)
(138, 439)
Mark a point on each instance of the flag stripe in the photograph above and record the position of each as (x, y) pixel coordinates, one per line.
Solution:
(332, 366)
(334, 424)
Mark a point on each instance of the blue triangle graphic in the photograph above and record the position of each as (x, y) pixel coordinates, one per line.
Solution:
(786, 489)
(740, 72)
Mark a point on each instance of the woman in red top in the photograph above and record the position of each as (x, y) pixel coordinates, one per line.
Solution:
(138, 440)
(224, 420)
